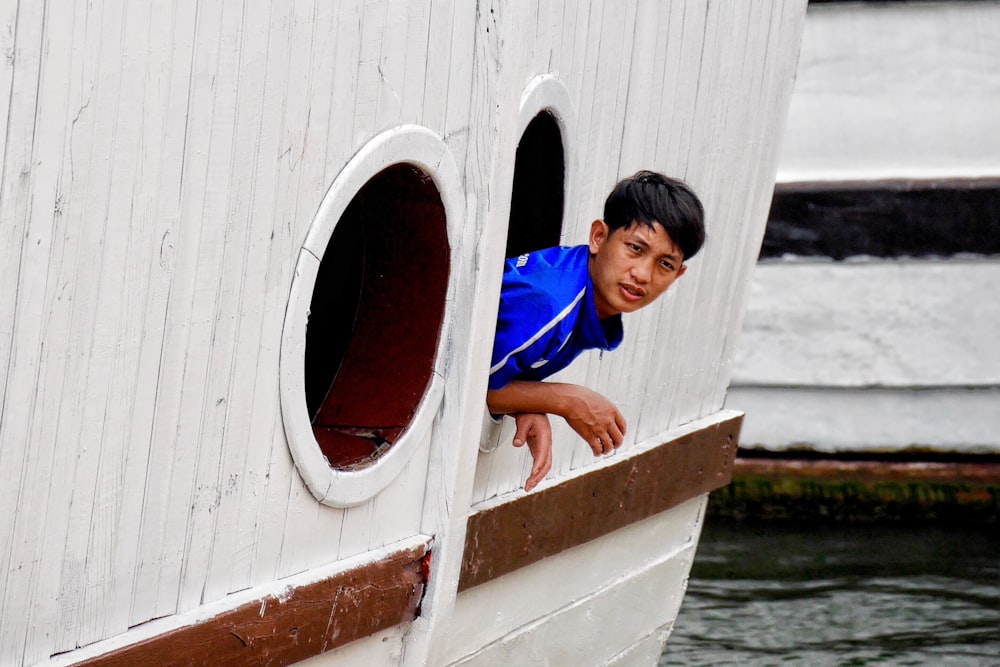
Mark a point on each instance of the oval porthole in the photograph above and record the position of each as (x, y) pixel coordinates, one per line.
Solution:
(375, 316)
(536, 203)
(360, 362)
(542, 166)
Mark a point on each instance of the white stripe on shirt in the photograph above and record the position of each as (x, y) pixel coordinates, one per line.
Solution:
(541, 332)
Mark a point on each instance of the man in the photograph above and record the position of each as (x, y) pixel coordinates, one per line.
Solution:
(558, 302)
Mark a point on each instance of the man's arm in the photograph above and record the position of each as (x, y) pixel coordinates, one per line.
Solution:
(593, 417)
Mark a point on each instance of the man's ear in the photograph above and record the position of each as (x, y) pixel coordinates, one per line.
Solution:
(598, 235)
(680, 271)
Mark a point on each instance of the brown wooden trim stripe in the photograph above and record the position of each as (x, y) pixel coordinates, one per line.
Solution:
(506, 537)
(305, 622)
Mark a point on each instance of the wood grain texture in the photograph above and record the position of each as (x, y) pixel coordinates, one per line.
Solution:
(694, 90)
(299, 624)
(161, 167)
(511, 535)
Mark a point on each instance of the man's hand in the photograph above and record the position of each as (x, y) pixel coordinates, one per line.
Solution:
(595, 419)
(533, 429)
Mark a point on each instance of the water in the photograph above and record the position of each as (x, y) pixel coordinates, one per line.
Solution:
(776, 594)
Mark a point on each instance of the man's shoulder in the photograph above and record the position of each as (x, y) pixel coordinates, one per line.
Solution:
(541, 284)
(558, 259)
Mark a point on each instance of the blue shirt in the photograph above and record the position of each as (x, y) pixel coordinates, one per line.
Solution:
(547, 316)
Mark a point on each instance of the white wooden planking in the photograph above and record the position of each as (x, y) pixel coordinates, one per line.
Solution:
(287, 510)
(777, 68)
(488, 174)
(161, 167)
(28, 211)
(100, 273)
(125, 261)
(392, 62)
(729, 159)
(593, 629)
(169, 315)
(230, 553)
(264, 507)
(224, 276)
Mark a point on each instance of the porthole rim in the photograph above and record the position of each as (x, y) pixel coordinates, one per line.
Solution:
(406, 144)
(546, 93)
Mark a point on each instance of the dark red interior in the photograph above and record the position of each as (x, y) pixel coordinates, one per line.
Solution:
(376, 315)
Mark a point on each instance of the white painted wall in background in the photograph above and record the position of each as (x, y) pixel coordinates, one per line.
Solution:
(881, 354)
(899, 89)
(871, 355)
(867, 323)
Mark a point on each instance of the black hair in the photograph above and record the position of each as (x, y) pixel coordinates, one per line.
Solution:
(649, 197)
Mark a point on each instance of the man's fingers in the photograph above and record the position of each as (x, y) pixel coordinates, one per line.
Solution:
(520, 435)
(537, 475)
(539, 470)
(620, 422)
(605, 444)
(602, 445)
(617, 436)
(533, 430)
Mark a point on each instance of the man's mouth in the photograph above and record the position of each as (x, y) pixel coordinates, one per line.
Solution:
(632, 292)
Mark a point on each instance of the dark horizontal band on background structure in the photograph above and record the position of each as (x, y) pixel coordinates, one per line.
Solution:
(861, 2)
(885, 219)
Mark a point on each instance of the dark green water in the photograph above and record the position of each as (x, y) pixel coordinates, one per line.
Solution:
(820, 594)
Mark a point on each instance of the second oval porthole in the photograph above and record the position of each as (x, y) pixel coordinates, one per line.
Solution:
(375, 316)
(538, 188)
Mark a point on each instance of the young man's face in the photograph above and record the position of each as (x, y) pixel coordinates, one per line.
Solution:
(631, 267)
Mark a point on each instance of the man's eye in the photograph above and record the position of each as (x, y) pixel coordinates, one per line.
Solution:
(634, 247)
(667, 265)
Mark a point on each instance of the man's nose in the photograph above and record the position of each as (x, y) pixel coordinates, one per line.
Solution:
(641, 272)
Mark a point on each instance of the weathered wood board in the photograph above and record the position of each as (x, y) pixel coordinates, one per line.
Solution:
(163, 164)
